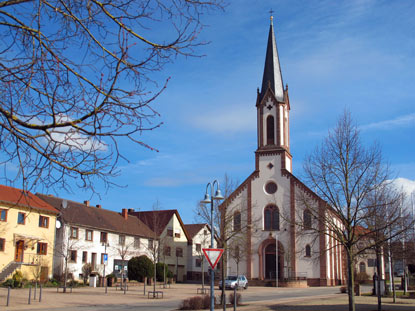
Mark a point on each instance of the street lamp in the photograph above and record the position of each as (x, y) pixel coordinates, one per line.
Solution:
(206, 200)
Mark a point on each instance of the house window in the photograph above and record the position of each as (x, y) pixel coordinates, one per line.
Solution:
(167, 251)
(84, 257)
(170, 232)
(205, 232)
(102, 258)
(42, 248)
(3, 214)
(88, 235)
(371, 262)
(236, 252)
(21, 218)
(271, 218)
(150, 244)
(74, 233)
(198, 262)
(121, 239)
(104, 237)
(362, 267)
(237, 221)
(307, 251)
(270, 130)
(179, 252)
(2, 244)
(136, 242)
(177, 233)
(198, 247)
(307, 219)
(43, 221)
(72, 255)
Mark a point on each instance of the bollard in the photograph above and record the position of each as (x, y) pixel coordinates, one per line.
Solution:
(8, 296)
(224, 302)
(106, 286)
(30, 294)
(144, 287)
(40, 292)
(125, 288)
(34, 296)
(234, 298)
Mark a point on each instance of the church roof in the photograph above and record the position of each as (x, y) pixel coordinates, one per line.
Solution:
(272, 70)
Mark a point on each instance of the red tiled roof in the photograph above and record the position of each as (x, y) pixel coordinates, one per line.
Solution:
(19, 197)
(194, 229)
(158, 220)
(80, 214)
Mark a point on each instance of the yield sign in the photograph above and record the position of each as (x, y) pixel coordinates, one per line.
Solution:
(213, 255)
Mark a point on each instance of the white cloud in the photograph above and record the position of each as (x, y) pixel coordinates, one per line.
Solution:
(68, 137)
(388, 124)
(240, 118)
(406, 185)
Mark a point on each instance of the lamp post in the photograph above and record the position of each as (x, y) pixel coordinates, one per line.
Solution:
(206, 200)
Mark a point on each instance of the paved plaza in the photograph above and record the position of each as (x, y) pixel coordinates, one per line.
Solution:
(255, 298)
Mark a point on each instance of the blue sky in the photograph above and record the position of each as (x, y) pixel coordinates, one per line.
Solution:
(358, 55)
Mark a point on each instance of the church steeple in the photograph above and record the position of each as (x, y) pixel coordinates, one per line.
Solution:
(272, 71)
(273, 109)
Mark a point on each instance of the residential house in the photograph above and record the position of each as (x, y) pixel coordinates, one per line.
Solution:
(172, 238)
(103, 238)
(27, 234)
(200, 238)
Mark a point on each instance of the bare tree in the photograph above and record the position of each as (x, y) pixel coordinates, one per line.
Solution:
(77, 77)
(228, 220)
(124, 250)
(343, 172)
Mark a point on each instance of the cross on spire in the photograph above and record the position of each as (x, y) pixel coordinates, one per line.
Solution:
(270, 12)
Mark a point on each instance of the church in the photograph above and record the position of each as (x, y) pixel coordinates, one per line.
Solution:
(267, 204)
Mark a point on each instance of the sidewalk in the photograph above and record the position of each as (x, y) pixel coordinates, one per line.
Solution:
(96, 299)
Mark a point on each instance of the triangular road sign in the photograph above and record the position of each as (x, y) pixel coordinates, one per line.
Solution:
(213, 255)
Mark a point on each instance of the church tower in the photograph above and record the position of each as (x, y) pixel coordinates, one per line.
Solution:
(273, 108)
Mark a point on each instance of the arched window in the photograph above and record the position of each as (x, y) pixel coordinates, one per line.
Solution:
(271, 218)
(307, 251)
(362, 267)
(270, 130)
(237, 221)
(307, 219)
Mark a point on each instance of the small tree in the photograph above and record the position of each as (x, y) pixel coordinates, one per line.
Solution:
(86, 272)
(140, 268)
(344, 173)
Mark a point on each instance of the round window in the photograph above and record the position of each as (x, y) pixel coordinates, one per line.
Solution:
(271, 187)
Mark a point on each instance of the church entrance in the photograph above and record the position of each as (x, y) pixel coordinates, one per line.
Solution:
(271, 262)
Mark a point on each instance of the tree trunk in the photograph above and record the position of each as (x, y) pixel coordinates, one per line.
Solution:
(203, 277)
(350, 281)
(393, 282)
(65, 275)
(223, 275)
(155, 277)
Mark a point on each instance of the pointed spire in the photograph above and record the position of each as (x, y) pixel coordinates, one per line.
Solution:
(272, 70)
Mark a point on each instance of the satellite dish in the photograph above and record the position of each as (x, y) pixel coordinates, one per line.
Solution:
(58, 224)
(64, 204)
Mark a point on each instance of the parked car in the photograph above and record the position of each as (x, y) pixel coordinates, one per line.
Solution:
(232, 280)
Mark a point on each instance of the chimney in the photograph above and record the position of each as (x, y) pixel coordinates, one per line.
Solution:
(130, 210)
(86, 203)
(125, 213)
(98, 205)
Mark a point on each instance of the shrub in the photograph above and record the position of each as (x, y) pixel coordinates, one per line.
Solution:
(18, 279)
(9, 283)
(238, 298)
(343, 289)
(139, 268)
(86, 271)
(195, 303)
(361, 277)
